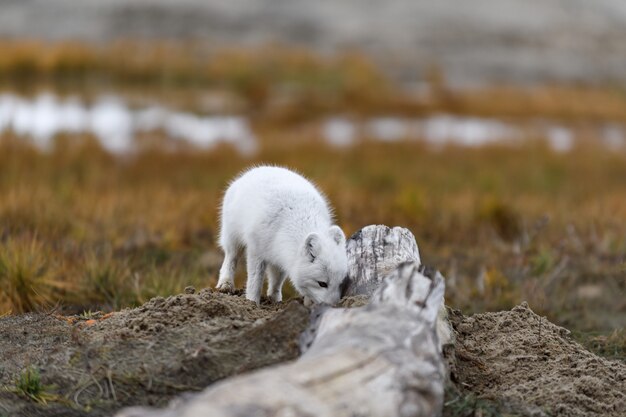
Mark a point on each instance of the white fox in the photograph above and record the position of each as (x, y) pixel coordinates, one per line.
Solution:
(285, 226)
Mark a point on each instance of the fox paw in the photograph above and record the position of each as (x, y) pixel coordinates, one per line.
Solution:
(226, 287)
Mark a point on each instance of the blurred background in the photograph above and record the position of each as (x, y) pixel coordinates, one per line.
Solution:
(495, 130)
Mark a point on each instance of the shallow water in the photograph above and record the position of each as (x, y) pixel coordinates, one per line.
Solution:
(443, 129)
(115, 124)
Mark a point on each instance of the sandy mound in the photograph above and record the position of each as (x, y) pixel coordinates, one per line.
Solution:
(530, 366)
(144, 355)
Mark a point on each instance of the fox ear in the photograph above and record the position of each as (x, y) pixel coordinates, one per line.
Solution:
(312, 246)
(337, 234)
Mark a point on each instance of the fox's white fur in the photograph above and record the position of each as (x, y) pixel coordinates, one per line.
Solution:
(285, 226)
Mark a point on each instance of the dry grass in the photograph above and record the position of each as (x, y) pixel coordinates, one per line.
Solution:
(565, 102)
(281, 84)
(504, 225)
(276, 81)
(92, 231)
(28, 276)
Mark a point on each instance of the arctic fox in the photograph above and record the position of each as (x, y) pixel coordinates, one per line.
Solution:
(285, 225)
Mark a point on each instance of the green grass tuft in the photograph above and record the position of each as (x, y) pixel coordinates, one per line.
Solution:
(29, 385)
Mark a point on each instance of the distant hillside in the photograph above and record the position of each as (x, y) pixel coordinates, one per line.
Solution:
(472, 42)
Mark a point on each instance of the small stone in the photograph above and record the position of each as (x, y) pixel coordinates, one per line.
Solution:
(190, 290)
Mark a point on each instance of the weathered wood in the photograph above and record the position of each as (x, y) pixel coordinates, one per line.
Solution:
(374, 252)
(382, 359)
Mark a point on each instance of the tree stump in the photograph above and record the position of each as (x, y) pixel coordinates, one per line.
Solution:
(379, 360)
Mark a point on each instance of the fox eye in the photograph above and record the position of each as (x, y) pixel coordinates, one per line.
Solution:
(322, 284)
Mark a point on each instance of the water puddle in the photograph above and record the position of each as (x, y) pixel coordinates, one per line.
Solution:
(441, 130)
(115, 124)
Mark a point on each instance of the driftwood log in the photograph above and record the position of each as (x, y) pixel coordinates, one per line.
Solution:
(382, 359)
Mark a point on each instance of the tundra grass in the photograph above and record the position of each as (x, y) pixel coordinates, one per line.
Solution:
(281, 84)
(84, 230)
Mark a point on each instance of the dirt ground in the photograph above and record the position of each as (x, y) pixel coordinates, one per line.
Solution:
(514, 361)
(528, 366)
(144, 355)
